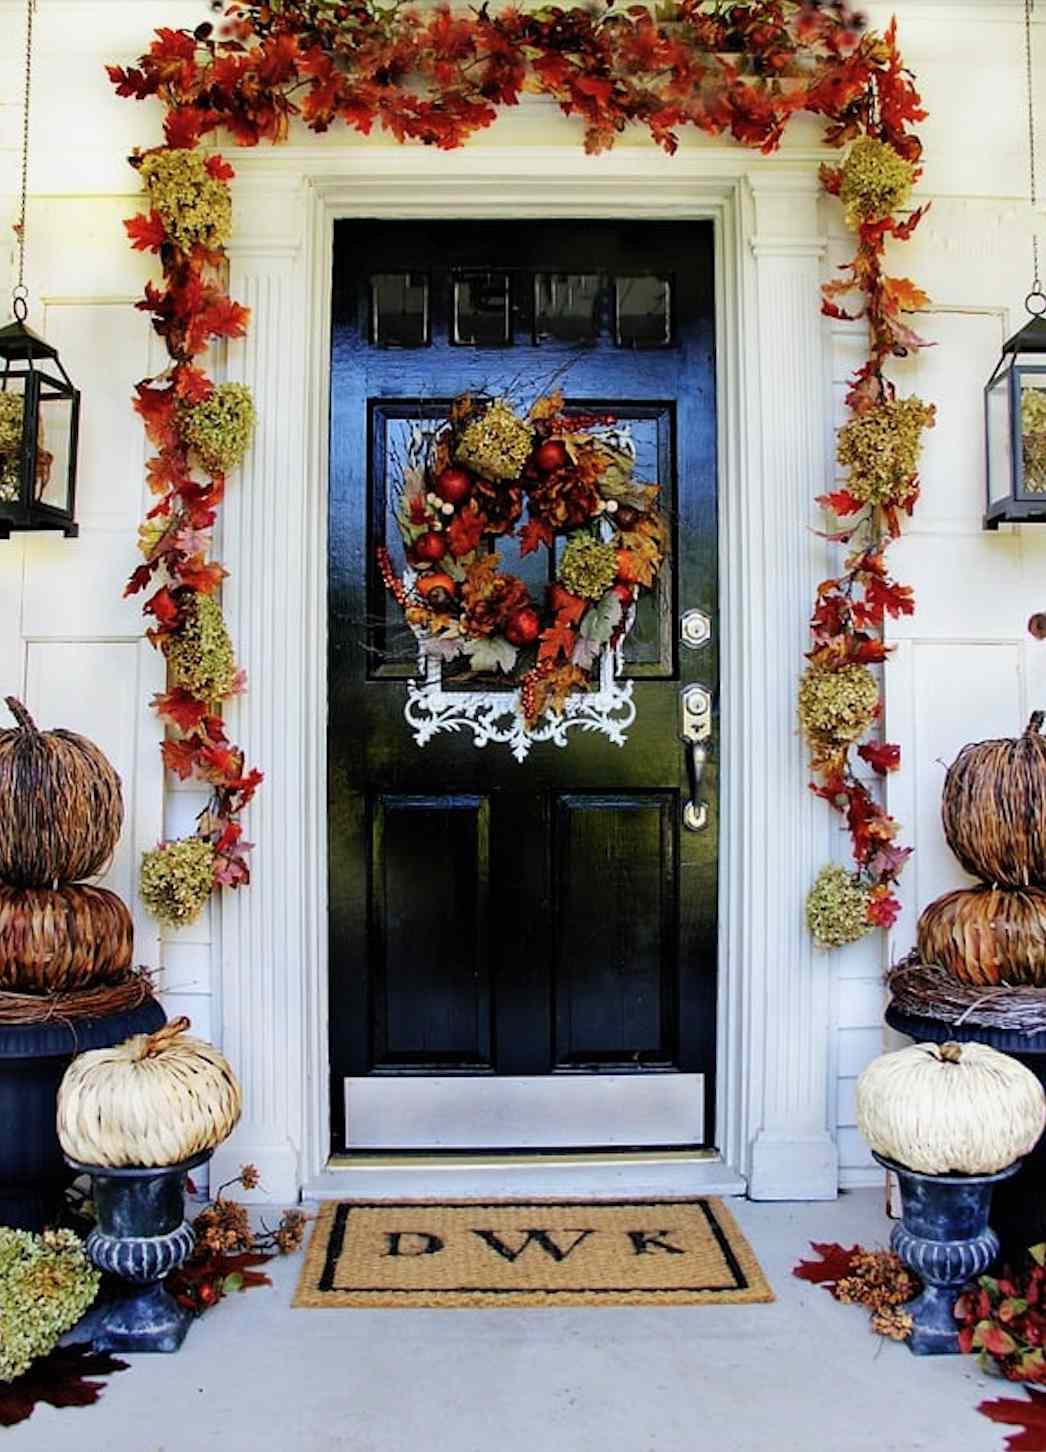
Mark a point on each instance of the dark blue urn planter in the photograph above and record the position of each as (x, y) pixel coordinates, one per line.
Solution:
(1018, 1212)
(945, 1239)
(33, 1058)
(141, 1235)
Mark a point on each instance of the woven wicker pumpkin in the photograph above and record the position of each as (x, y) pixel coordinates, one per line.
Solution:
(950, 1108)
(987, 935)
(156, 1099)
(994, 808)
(61, 809)
(52, 939)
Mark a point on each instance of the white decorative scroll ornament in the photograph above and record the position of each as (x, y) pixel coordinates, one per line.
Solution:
(498, 715)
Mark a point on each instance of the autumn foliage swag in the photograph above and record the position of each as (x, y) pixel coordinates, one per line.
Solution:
(437, 76)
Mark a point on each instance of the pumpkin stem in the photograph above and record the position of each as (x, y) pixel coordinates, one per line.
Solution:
(1033, 727)
(156, 1043)
(23, 717)
(951, 1053)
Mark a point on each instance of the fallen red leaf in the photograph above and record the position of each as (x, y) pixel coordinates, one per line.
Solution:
(1030, 1416)
(833, 1266)
(58, 1379)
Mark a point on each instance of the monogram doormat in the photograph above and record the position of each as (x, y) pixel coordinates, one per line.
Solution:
(473, 1253)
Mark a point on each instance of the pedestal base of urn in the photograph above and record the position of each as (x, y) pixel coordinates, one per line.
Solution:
(943, 1238)
(146, 1318)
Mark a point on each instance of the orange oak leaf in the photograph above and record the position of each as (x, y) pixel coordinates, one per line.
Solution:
(903, 294)
(557, 640)
(204, 576)
(533, 535)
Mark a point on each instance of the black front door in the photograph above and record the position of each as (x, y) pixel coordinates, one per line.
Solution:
(555, 917)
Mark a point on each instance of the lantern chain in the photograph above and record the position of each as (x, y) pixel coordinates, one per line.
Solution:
(21, 292)
(1037, 295)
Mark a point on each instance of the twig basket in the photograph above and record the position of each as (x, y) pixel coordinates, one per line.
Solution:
(55, 939)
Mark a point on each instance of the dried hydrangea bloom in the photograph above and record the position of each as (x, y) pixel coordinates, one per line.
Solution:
(837, 706)
(176, 880)
(837, 908)
(196, 207)
(11, 412)
(876, 181)
(46, 1285)
(588, 567)
(497, 443)
(879, 449)
(199, 654)
(219, 430)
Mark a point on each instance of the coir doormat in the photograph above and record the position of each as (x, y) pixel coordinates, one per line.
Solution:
(473, 1253)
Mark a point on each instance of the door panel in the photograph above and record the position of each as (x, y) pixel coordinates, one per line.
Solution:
(493, 920)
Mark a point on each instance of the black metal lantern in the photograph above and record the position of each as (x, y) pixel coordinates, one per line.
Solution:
(1015, 425)
(1015, 394)
(39, 422)
(39, 407)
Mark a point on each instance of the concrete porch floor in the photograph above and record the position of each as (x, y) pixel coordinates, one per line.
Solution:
(801, 1375)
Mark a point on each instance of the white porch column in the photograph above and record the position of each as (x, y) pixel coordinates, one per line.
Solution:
(792, 1154)
(264, 547)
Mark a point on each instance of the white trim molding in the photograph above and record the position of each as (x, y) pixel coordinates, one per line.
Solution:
(773, 392)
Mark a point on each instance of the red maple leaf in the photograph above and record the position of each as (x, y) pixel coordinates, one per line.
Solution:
(163, 605)
(179, 757)
(557, 640)
(181, 707)
(219, 168)
(141, 578)
(533, 535)
(883, 907)
(465, 531)
(885, 594)
(184, 125)
(192, 384)
(881, 757)
(147, 233)
(841, 503)
(833, 1266)
(156, 409)
(1029, 1416)
(60, 1379)
(201, 575)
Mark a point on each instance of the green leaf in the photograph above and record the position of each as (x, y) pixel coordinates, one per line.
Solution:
(1038, 1253)
(1011, 1307)
(233, 1282)
(600, 622)
(494, 654)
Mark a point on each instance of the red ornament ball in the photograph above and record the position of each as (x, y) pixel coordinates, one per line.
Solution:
(551, 455)
(453, 485)
(523, 626)
(430, 547)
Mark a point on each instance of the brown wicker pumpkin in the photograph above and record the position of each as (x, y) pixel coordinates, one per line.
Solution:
(61, 809)
(53, 939)
(993, 808)
(986, 935)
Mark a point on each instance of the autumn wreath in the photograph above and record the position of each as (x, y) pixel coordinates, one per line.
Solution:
(466, 482)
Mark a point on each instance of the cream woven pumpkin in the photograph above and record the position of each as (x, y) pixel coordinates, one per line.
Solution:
(950, 1108)
(155, 1099)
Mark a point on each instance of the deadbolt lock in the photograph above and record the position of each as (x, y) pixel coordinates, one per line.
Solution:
(695, 629)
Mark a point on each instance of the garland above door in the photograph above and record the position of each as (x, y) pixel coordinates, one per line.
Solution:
(438, 76)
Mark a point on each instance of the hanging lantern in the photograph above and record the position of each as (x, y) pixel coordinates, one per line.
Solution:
(39, 407)
(1015, 394)
(1015, 424)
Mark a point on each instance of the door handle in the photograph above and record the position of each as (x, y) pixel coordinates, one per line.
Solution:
(696, 703)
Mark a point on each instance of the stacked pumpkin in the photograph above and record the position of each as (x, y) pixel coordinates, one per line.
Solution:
(61, 812)
(994, 814)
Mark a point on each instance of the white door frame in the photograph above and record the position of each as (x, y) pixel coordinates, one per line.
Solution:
(775, 1059)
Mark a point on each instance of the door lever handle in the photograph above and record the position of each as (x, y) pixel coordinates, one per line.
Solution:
(696, 704)
(695, 812)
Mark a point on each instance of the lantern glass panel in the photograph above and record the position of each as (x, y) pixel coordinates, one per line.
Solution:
(12, 428)
(54, 444)
(1032, 385)
(1000, 439)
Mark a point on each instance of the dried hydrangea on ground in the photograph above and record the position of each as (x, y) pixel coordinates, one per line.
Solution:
(46, 1285)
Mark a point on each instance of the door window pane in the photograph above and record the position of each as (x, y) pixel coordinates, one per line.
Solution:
(567, 306)
(644, 312)
(399, 309)
(482, 309)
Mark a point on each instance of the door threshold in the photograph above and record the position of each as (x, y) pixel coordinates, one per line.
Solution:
(627, 1174)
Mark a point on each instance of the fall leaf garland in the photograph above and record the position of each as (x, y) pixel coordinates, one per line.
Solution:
(438, 76)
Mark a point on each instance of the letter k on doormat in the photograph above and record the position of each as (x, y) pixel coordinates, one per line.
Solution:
(471, 1253)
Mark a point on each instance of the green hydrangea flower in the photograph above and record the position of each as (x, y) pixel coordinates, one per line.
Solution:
(496, 444)
(200, 655)
(837, 908)
(196, 207)
(876, 181)
(880, 448)
(12, 407)
(46, 1285)
(836, 706)
(219, 429)
(176, 880)
(588, 567)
